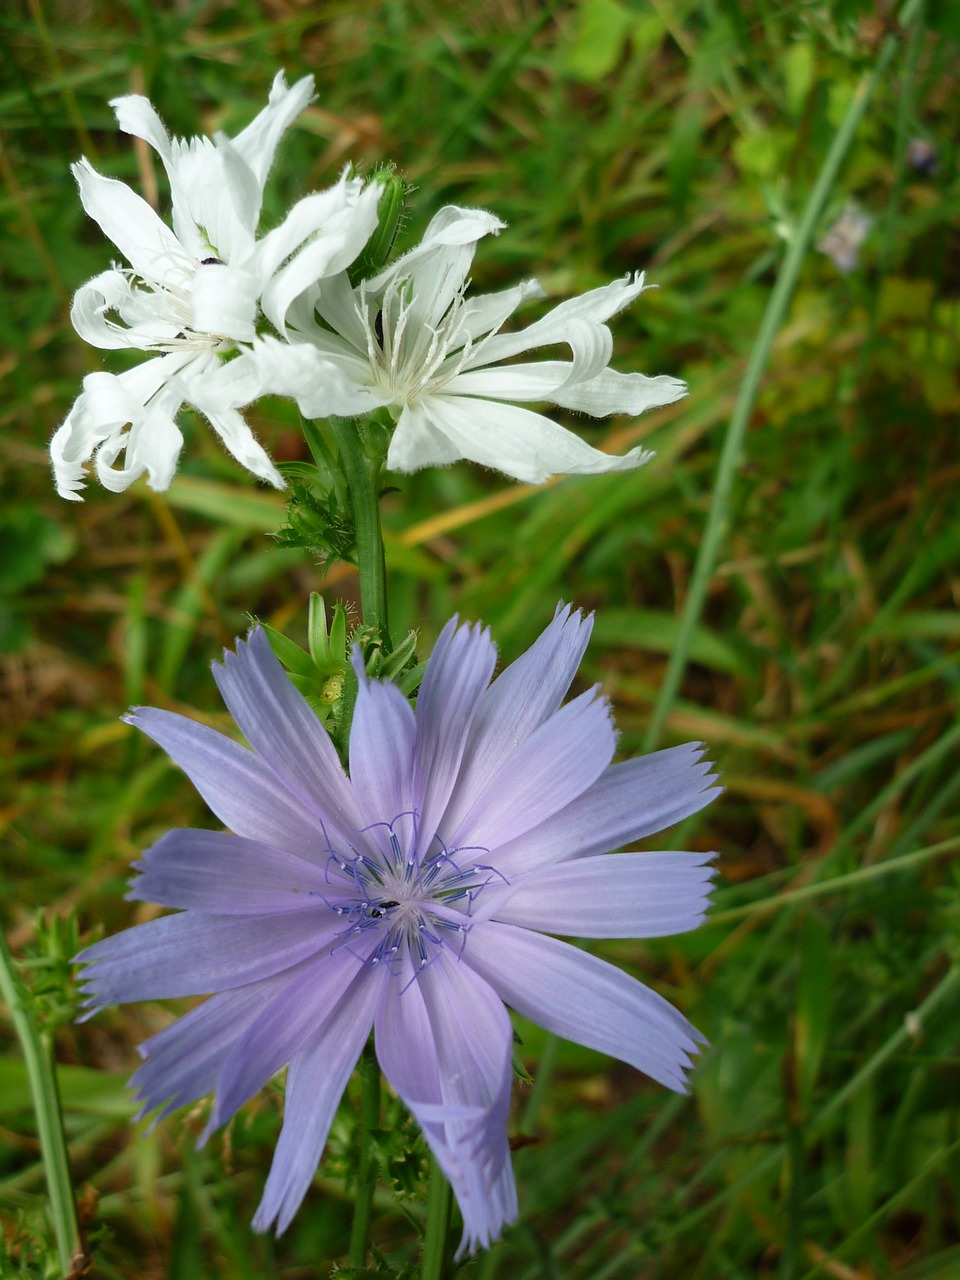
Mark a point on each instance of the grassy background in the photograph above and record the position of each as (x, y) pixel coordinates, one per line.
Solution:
(823, 1134)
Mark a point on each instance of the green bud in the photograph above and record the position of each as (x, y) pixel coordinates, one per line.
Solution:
(390, 209)
(319, 673)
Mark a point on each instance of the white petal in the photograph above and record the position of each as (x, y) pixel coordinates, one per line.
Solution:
(241, 443)
(438, 266)
(107, 404)
(340, 221)
(488, 312)
(341, 210)
(337, 305)
(257, 143)
(320, 384)
(233, 224)
(518, 442)
(137, 115)
(612, 392)
(109, 291)
(72, 445)
(153, 441)
(218, 389)
(223, 200)
(225, 301)
(549, 380)
(450, 227)
(145, 241)
(590, 344)
(416, 442)
(594, 307)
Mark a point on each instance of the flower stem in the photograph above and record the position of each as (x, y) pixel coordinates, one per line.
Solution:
(362, 474)
(366, 1166)
(37, 1049)
(435, 1232)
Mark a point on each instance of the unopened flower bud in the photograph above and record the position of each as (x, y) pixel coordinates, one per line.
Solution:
(389, 214)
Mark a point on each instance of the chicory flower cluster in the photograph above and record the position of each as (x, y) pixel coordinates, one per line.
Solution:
(227, 315)
(423, 889)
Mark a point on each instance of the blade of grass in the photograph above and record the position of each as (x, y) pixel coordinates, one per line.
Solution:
(38, 1056)
(783, 290)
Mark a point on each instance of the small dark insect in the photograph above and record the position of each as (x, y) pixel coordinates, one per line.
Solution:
(381, 909)
(211, 262)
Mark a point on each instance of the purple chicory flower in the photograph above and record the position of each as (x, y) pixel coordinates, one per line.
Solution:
(413, 898)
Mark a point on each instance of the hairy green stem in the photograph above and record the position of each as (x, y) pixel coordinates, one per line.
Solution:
(366, 1165)
(362, 475)
(438, 1218)
(37, 1049)
(773, 317)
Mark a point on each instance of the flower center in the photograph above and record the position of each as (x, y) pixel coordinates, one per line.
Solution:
(399, 905)
(409, 360)
(161, 306)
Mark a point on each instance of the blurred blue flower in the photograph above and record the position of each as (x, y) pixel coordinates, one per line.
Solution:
(412, 898)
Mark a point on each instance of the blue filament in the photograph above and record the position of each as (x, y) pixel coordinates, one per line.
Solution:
(404, 904)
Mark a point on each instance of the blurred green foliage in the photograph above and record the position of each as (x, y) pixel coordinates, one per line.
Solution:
(682, 137)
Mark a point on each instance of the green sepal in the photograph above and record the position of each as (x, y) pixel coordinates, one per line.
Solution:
(328, 645)
(290, 654)
(318, 673)
(409, 682)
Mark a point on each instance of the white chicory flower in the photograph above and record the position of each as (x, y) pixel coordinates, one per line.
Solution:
(843, 241)
(411, 340)
(192, 294)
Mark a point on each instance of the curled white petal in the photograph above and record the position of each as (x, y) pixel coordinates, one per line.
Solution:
(194, 294)
(414, 340)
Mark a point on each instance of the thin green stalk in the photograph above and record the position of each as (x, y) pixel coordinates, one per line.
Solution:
(362, 476)
(38, 1056)
(759, 356)
(541, 1082)
(945, 989)
(853, 879)
(435, 1231)
(366, 1165)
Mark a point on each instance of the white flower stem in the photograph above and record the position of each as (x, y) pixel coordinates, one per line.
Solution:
(37, 1049)
(362, 476)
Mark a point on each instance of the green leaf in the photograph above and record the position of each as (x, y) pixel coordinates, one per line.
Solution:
(600, 33)
(657, 632)
(814, 1002)
(798, 72)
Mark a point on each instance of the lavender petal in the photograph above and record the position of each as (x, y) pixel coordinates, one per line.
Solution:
(520, 700)
(317, 1077)
(559, 760)
(628, 802)
(382, 746)
(214, 871)
(284, 730)
(301, 1004)
(243, 792)
(458, 672)
(183, 1062)
(575, 995)
(444, 1044)
(615, 895)
(194, 953)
